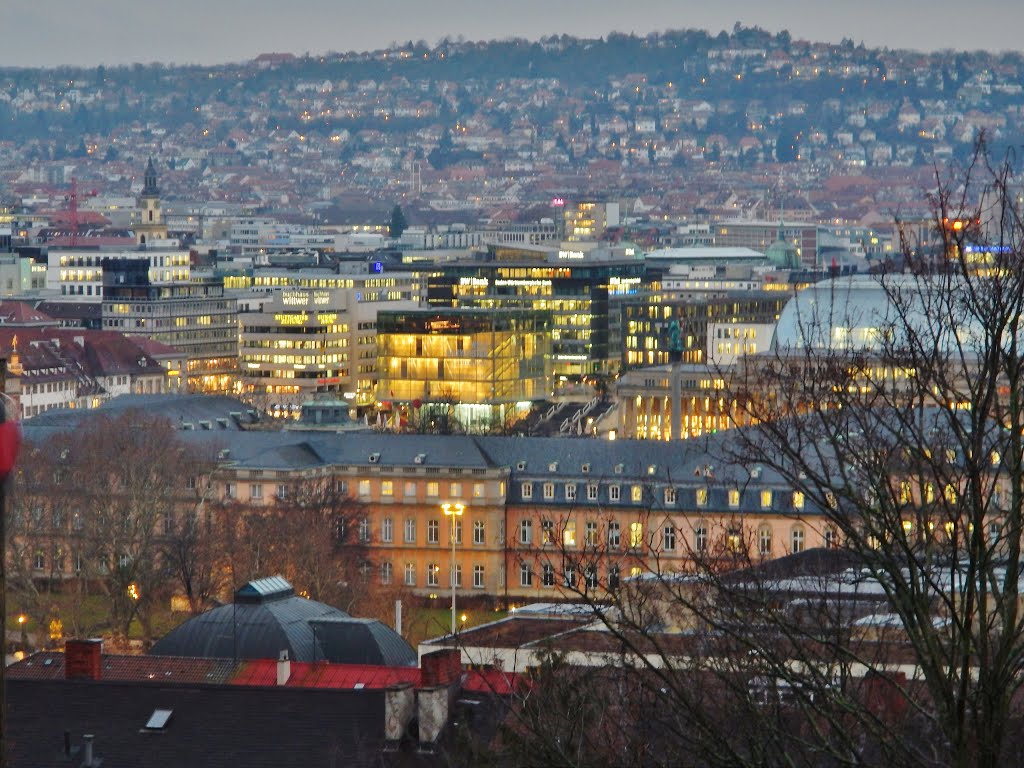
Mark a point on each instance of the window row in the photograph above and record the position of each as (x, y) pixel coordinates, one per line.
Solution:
(636, 492)
(433, 575)
(614, 535)
(409, 531)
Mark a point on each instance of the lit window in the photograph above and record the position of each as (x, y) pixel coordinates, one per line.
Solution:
(766, 499)
(906, 493)
(387, 488)
(433, 489)
(547, 532)
(734, 540)
(702, 497)
(950, 494)
(478, 490)
(798, 500)
(569, 534)
(455, 490)
(636, 535)
(636, 493)
(734, 497)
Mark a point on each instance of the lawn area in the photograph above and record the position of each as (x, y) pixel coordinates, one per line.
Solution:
(419, 624)
(87, 617)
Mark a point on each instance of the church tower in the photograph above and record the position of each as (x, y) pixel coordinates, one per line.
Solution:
(150, 225)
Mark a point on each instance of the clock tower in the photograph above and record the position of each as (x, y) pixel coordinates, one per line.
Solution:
(150, 224)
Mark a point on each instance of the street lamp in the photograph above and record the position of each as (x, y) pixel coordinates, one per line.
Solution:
(453, 510)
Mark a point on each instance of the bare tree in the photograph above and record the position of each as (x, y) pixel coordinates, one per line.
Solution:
(894, 407)
(93, 507)
(909, 439)
(314, 534)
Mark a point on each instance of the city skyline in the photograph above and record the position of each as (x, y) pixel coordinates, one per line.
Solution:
(118, 32)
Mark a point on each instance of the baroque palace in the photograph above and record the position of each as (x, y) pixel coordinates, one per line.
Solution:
(540, 516)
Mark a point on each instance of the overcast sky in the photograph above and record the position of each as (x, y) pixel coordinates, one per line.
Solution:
(91, 32)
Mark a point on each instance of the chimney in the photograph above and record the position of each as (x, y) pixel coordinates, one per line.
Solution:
(442, 667)
(284, 668)
(87, 760)
(441, 679)
(83, 659)
(399, 708)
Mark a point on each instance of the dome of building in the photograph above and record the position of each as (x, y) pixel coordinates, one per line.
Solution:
(267, 617)
(782, 254)
(857, 312)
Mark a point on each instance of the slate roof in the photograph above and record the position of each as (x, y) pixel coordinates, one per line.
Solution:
(210, 725)
(688, 466)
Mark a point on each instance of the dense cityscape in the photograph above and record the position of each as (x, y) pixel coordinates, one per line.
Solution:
(645, 400)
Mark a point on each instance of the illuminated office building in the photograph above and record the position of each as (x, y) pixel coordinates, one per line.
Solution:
(582, 289)
(79, 271)
(194, 316)
(587, 221)
(480, 367)
(707, 327)
(308, 340)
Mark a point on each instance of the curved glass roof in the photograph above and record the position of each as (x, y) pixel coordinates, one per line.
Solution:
(859, 312)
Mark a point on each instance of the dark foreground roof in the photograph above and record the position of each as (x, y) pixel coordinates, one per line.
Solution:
(209, 725)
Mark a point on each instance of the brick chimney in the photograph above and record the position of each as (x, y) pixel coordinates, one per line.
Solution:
(440, 681)
(83, 659)
(442, 667)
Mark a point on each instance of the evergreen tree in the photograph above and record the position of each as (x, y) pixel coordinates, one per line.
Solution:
(398, 224)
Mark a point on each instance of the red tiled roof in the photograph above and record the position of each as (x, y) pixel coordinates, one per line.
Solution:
(305, 675)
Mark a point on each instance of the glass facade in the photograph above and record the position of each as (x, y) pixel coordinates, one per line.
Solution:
(487, 360)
